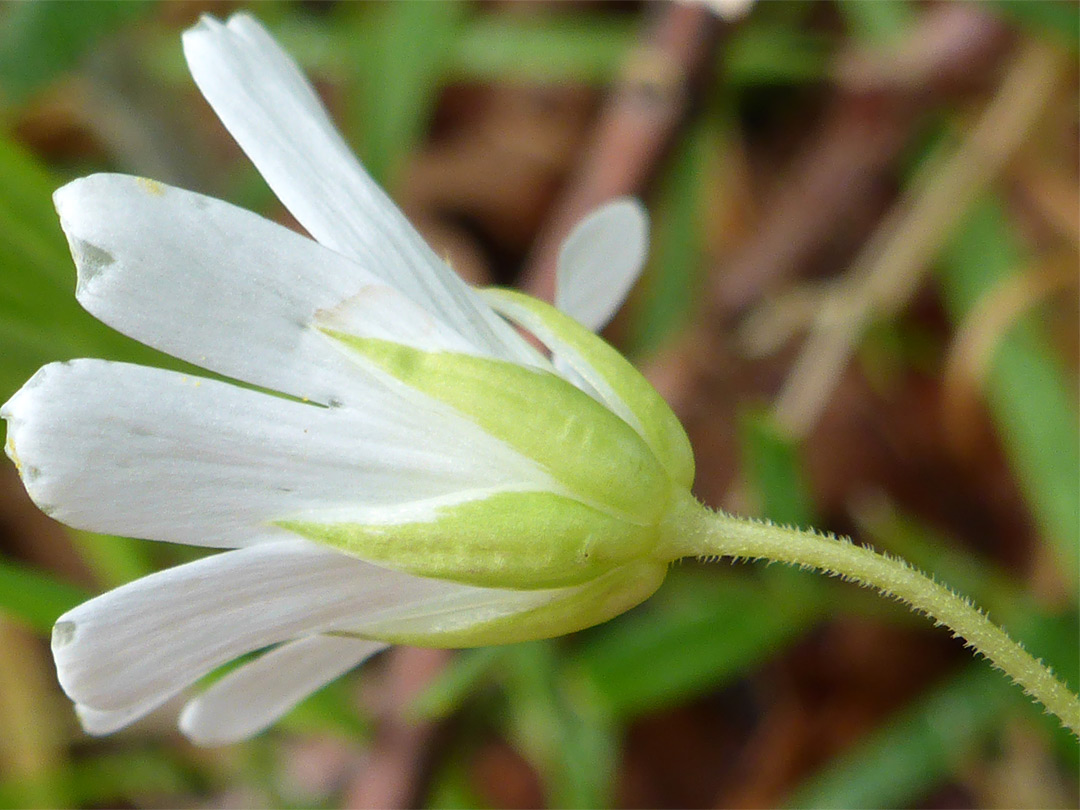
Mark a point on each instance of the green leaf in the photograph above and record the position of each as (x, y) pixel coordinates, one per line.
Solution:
(40, 320)
(770, 54)
(550, 49)
(398, 56)
(878, 23)
(135, 778)
(331, 709)
(39, 41)
(560, 727)
(1031, 399)
(774, 468)
(461, 678)
(35, 597)
(919, 749)
(700, 631)
(1054, 18)
(114, 560)
(905, 760)
(672, 279)
(451, 786)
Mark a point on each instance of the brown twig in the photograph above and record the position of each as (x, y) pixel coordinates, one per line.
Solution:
(887, 270)
(851, 160)
(634, 129)
(389, 776)
(831, 197)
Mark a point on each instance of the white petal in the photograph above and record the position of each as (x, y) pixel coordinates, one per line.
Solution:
(99, 723)
(149, 639)
(267, 105)
(228, 290)
(258, 693)
(142, 452)
(600, 261)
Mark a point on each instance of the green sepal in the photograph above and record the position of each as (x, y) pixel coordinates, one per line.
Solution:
(567, 611)
(597, 456)
(523, 540)
(615, 379)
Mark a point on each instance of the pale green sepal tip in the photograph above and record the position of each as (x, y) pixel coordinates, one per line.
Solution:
(593, 453)
(566, 611)
(605, 368)
(524, 540)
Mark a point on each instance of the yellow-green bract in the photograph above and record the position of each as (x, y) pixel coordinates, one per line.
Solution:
(616, 483)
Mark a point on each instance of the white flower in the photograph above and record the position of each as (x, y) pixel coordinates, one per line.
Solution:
(428, 477)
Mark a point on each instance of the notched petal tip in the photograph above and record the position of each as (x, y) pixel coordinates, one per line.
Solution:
(63, 634)
(77, 205)
(90, 262)
(239, 23)
(206, 22)
(239, 20)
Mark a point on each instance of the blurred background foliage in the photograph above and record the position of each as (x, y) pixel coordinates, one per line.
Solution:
(862, 300)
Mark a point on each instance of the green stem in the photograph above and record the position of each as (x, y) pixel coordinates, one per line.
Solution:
(696, 531)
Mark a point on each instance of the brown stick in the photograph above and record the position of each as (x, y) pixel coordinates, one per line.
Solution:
(887, 270)
(837, 186)
(635, 127)
(851, 160)
(389, 776)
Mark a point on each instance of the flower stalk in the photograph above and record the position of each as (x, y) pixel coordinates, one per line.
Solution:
(694, 530)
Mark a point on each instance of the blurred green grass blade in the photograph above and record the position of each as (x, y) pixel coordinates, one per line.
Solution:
(40, 320)
(114, 560)
(559, 726)
(1058, 19)
(672, 279)
(924, 547)
(906, 759)
(592, 48)
(773, 465)
(555, 48)
(403, 48)
(34, 597)
(33, 734)
(769, 53)
(877, 23)
(130, 778)
(131, 775)
(700, 631)
(1046, 636)
(27, 193)
(584, 47)
(451, 786)
(332, 709)
(1031, 400)
(457, 681)
(39, 41)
